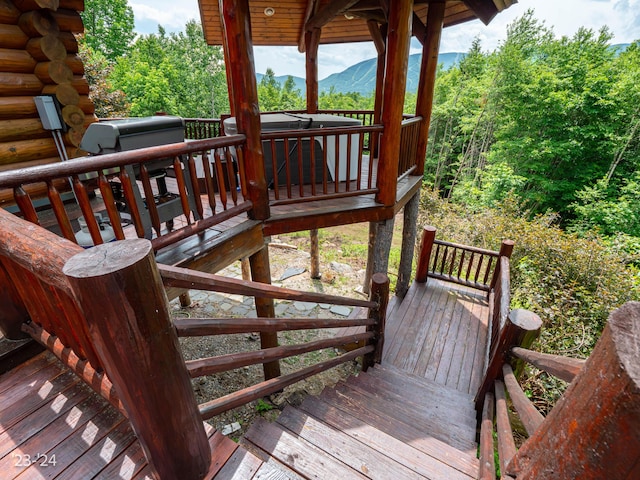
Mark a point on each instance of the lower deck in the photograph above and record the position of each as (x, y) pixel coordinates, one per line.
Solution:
(420, 399)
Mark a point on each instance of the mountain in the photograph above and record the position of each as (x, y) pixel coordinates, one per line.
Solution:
(361, 77)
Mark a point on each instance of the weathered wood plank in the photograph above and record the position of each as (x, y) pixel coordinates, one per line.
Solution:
(241, 465)
(299, 455)
(424, 454)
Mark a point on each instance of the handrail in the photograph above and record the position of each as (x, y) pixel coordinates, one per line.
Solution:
(125, 181)
(565, 368)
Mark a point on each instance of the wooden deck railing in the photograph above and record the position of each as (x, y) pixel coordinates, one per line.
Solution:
(409, 136)
(305, 165)
(137, 182)
(202, 128)
(587, 434)
(461, 264)
(373, 337)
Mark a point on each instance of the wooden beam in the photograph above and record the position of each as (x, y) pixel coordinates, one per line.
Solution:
(312, 8)
(328, 12)
(483, 9)
(419, 29)
(376, 36)
(312, 39)
(427, 82)
(237, 28)
(398, 39)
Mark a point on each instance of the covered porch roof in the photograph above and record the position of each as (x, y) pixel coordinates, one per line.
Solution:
(285, 22)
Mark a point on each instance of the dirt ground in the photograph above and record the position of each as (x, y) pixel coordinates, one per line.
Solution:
(343, 260)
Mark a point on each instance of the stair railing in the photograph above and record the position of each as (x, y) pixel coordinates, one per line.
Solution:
(591, 431)
(373, 337)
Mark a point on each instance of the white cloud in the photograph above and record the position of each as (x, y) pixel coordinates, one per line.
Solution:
(171, 15)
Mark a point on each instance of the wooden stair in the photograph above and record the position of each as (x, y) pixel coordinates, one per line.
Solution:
(382, 424)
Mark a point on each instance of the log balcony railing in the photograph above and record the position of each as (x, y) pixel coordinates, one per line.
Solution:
(124, 182)
(103, 313)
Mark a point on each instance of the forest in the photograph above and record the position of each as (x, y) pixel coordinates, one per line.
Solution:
(538, 141)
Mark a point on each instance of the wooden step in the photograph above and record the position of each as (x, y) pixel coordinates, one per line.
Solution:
(423, 453)
(349, 396)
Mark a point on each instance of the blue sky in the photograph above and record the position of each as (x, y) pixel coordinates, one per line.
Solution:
(563, 16)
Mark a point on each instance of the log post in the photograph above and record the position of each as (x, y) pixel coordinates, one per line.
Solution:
(380, 295)
(409, 231)
(312, 39)
(379, 36)
(592, 432)
(426, 246)
(366, 286)
(119, 289)
(382, 246)
(506, 249)
(397, 54)
(261, 272)
(424, 101)
(239, 47)
(315, 253)
(521, 329)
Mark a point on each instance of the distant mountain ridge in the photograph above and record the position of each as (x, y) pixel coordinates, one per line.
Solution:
(361, 77)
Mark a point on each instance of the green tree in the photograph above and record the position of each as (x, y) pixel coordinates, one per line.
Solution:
(269, 92)
(108, 26)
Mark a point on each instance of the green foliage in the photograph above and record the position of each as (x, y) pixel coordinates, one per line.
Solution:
(263, 407)
(272, 96)
(177, 73)
(108, 102)
(108, 26)
(572, 282)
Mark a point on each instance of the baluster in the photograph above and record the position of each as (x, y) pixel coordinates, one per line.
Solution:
(434, 267)
(61, 214)
(208, 181)
(182, 189)
(445, 254)
(480, 261)
(194, 184)
(110, 205)
(469, 266)
(461, 264)
(243, 178)
(231, 175)
(300, 167)
(150, 200)
(87, 212)
(312, 155)
(222, 191)
(325, 164)
(487, 270)
(348, 177)
(130, 198)
(453, 261)
(336, 160)
(24, 204)
(360, 150)
(287, 167)
(274, 169)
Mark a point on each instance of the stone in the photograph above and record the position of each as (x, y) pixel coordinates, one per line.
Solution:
(304, 306)
(292, 272)
(341, 267)
(230, 428)
(340, 310)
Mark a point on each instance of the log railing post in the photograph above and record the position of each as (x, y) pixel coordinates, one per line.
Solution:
(120, 293)
(380, 295)
(592, 430)
(426, 246)
(506, 249)
(521, 329)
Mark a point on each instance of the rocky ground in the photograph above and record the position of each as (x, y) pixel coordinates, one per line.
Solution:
(289, 268)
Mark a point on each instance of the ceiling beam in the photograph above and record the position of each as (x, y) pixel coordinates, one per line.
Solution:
(312, 8)
(328, 12)
(418, 28)
(485, 10)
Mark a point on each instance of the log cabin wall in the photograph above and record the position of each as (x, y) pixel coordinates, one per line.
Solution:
(39, 56)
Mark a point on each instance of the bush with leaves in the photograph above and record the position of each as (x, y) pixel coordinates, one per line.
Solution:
(571, 282)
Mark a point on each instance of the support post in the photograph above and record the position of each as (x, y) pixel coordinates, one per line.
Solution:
(245, 266)
(261, 272)
(409, 231)
(120, 292)
(426, 247)
(312, 39)
(521, 329)
(506, 249)
(428, 68)
(380, 295)
(397, 54)
(379, 36)
(592, 431)
(315, 253)
(382, 246)
(239, 47)
(185, 299)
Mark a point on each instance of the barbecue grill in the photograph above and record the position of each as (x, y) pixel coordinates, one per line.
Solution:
(132, 134)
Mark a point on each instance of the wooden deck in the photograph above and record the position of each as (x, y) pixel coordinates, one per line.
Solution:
(411, 417)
